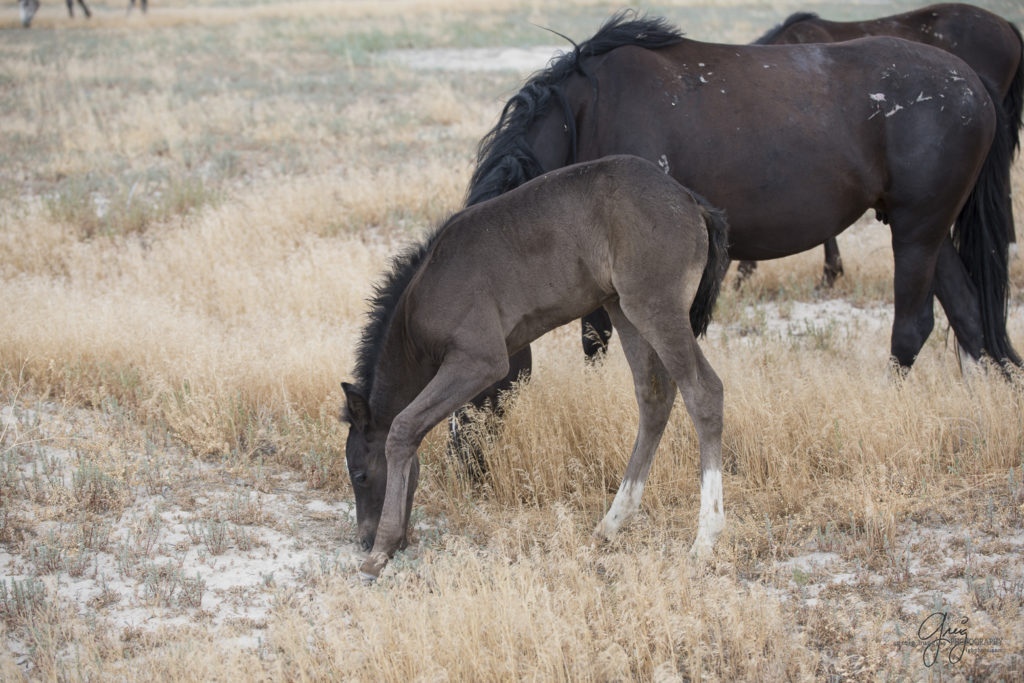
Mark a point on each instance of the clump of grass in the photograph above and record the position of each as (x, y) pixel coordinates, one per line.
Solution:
(21, 601)
(97, 491)
(213, 533)
(97, 208)
(245, 509)
(140, 542)
(166, 585)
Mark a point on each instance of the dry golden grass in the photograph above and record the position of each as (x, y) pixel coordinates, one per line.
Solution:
(194, 205)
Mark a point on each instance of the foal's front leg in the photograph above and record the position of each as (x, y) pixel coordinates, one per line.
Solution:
(460, 377)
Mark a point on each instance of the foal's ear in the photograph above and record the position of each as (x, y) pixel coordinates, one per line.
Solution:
(357, 410)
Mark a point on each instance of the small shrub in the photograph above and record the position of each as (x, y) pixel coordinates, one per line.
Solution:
(97, 491)
(167, 586)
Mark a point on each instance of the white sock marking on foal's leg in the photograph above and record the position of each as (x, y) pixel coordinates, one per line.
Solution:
(624, 506)
(712, 514)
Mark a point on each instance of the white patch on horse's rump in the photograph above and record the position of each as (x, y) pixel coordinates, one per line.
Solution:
(877, 97)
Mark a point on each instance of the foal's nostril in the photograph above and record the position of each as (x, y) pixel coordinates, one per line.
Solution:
(366, 545)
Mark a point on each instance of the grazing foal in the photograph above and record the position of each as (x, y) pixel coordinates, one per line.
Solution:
(617, 233)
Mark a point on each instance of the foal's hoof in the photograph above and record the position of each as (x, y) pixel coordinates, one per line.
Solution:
(372, 567)
(601, 534)
(700, 551)
(367, 579)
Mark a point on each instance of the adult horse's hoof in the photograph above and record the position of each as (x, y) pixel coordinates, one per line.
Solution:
(367, 579)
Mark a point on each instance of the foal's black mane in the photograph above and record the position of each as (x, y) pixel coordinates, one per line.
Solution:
(386, 294)
(504, 160)
(772, 34)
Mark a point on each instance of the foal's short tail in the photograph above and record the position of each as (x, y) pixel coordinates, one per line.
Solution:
(982, 233)
(714, 271)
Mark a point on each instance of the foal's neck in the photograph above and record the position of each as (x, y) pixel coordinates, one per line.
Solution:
(401, 374)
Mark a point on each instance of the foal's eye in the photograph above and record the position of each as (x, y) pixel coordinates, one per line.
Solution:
(359, 477)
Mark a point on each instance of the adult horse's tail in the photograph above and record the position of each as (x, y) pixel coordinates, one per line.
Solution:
(505, 159)
(982, 233)
(714, 271)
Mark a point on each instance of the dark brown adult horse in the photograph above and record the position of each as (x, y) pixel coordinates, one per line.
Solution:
(988, 43)
(794, 143)
(616, 233)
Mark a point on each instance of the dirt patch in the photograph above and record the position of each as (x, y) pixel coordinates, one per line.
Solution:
(166, 541)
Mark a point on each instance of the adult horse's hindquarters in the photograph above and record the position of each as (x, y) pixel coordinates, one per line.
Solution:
(989, 44)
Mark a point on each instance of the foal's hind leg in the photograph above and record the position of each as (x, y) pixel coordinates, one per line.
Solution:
(672, 338)
(655, 393)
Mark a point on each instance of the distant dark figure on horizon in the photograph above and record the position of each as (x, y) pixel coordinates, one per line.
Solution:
(30, 7)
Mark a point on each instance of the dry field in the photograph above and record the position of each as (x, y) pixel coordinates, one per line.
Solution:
(194, 205)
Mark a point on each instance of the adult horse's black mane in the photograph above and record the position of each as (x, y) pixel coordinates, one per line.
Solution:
(504, 160)
(772, 34)
(495, 174)
(386, 294)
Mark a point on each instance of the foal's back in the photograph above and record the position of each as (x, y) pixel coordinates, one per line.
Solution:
(556, 248)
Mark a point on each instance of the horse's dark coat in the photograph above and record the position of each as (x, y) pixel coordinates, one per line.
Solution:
(989, 44)
(616, 232)
(795, 142)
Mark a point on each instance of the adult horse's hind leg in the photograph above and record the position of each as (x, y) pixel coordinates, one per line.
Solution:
(959, 300)
(914, 269)
(655, 393)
